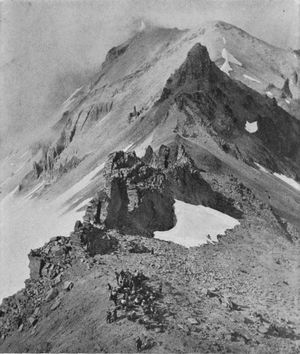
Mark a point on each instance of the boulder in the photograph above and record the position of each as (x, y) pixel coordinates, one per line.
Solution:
(51, 294)
(192, 321)
(36, 264)
(54, 238)
(68, 285)
(36, 311)
(57, 279)
(57, 251)
(32, 320)
(263, 329)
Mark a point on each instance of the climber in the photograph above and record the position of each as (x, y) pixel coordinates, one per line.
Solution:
(115, 315)
(117, 277)
(160, 287)
(108, 316)
(138, 344)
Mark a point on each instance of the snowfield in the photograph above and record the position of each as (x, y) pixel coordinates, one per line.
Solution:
(195, 223)
(140, 149)
(288, 180)
(232, 59)
(32, 223)
(251, 127)
(35, 223)
(226, 68)
(261, 168)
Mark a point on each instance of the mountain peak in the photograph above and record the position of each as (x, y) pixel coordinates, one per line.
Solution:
(194, 73)
(198, 58)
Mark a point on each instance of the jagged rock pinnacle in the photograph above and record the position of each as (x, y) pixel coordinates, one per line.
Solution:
(196, 72)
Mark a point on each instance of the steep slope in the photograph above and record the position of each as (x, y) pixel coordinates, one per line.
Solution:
(131, 80)
(132, 104)
(208, 98)
(216, 298)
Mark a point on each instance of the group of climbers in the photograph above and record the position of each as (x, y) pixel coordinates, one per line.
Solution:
(132, 292)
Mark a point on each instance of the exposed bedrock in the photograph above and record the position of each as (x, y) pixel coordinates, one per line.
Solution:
(139, 193)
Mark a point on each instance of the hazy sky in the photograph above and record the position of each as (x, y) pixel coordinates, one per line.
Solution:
(48, 48)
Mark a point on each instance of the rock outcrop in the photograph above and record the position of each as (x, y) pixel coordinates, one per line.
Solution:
(136, 197)
(285, 91)
(139, 194)
(208, 99)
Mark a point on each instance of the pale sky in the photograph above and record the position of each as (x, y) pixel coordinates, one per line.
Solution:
(49, 48)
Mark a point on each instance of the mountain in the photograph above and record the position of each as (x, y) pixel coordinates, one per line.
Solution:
(135, 73)
(127, 107)
(184, 136)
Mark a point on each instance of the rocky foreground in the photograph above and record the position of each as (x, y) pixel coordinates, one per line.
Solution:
(239, 295)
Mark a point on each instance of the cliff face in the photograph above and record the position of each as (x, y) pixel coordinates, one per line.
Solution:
(161, 67)
(208, 99)
(139, 194)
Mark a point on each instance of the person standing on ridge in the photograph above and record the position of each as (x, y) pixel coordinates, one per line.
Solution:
(138, 344)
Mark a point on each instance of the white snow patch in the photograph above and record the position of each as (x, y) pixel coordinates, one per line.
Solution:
(224, 40)
(141, 149)
(26, 224)
(261, 168)
(36, 221)
(228, 56)
(233, 60)
(288, 180)
(226, 68)
(195, 223)
(269, 94)
(287, 101)
(251, 78)
(251, 127)
(40, 220)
